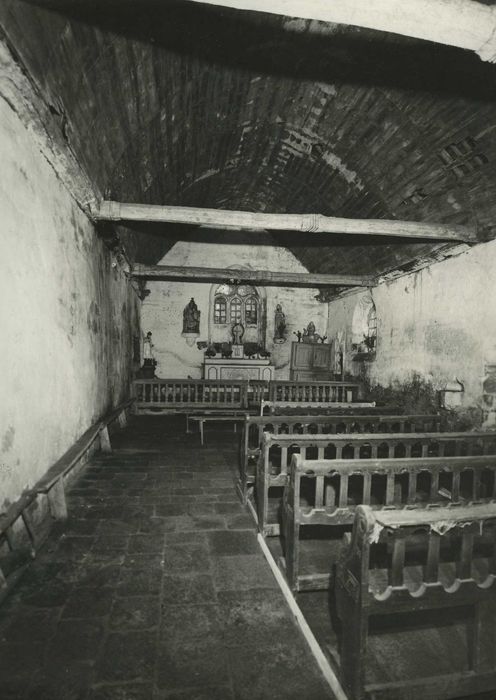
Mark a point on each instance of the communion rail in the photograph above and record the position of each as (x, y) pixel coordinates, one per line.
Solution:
(190, 395)
(314, 392)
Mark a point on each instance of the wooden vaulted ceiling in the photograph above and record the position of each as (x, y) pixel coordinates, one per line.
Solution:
(176, 103)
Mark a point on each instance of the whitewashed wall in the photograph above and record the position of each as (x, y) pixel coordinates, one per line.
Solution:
(162, 311)
(439, 322)
(68, 319)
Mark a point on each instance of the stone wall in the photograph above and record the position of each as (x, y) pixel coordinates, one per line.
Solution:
(162, 311)
(439, 323)
(68, 317)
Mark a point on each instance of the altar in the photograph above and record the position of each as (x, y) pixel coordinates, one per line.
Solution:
(237, 368)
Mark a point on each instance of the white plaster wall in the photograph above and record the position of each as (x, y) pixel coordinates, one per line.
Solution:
(162, 311)
(67, 317)
(439, 322)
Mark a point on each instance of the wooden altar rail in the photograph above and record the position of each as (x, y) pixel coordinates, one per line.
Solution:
(327, 492)
(181, 395)
(424, 559)
(255, 427)
(16, 524)
(187, 395)
(314, 392)
(277, 451)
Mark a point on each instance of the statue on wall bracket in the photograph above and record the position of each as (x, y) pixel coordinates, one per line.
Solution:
(191, 322)
(280, 328)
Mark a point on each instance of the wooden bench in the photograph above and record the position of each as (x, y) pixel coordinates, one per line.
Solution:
(255, 427)
(52, 486)
(301, 408)
(201, 420)
(408, 561)
(277, 450)
(327, 493)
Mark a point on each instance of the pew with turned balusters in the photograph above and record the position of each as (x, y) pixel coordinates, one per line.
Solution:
(400, 562)
(324, 494)
(276, 452)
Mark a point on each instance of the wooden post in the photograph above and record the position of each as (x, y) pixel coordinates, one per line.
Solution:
(105, 445)
(56, 500)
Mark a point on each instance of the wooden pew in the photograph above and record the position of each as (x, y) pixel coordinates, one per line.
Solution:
(414, 560)
(255, 427)
(19, 534)
(327, 493)
(277, 450)
(287, 408)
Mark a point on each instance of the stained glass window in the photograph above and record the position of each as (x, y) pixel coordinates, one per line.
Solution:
(220, 310)
(251, 315)
(236, 310)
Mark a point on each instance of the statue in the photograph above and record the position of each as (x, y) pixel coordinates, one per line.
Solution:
(191, 318)
(309, 334)
(279, 325)
(238, 331)
(147, 348)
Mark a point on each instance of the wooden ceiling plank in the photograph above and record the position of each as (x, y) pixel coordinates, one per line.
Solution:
(236, 276)
(305, 223)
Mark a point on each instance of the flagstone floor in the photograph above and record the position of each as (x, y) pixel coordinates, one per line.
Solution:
(155, 587)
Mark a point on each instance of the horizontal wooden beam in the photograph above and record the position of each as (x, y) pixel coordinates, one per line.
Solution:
(463, 23)
(236, 276)
(304, 223)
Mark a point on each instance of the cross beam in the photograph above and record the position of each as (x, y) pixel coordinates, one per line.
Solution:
(237, 276)
(304, 223)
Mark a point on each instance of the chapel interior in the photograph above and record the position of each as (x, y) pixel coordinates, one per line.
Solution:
(248, 415)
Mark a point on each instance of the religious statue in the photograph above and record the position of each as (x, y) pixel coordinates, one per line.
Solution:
(147, 348)
(238, 331)
(191, 318)
(309, 334)
(279, 325)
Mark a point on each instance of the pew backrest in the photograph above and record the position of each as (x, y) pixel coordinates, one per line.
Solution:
(419, 551)
(277, 450)
(335, 488)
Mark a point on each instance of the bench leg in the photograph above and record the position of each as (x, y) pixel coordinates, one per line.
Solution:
(201, 431)
(187, 424)
(105, 440)
(122, 419)
(56, 501)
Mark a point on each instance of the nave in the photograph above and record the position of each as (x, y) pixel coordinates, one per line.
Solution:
(155, 587)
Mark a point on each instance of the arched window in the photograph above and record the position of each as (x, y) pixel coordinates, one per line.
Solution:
(220, 309)
(236, 310)
(236, 304)
(251, 311)
(364, 325)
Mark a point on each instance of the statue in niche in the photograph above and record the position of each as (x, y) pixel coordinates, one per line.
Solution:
(191, 318)
(280, 331)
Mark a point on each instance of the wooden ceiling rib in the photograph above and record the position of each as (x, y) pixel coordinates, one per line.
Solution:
(171, 103)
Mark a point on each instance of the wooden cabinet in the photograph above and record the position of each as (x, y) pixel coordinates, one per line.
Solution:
(311, 362)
